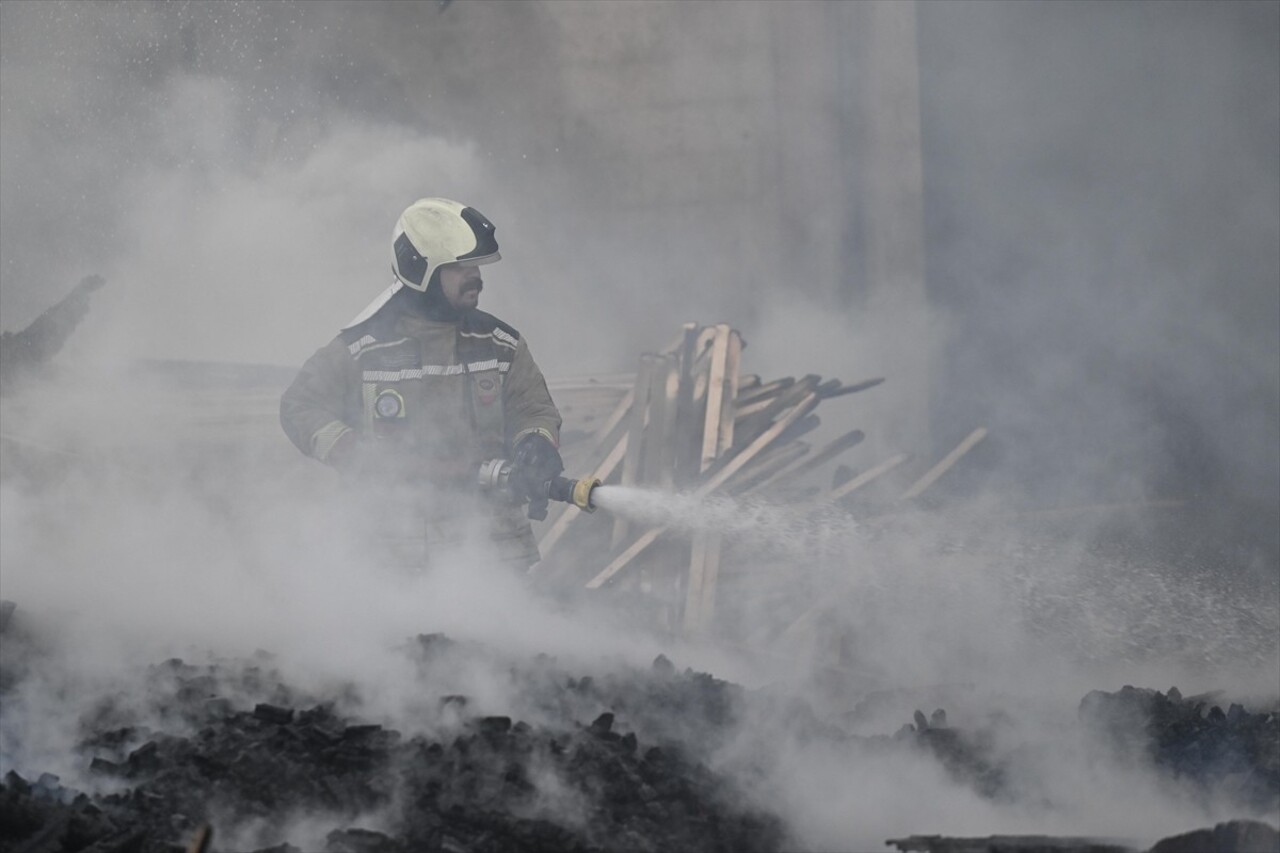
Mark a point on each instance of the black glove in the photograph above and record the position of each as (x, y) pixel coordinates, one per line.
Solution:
(536, 461)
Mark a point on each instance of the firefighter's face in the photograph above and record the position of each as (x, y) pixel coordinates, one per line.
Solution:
(461, 285)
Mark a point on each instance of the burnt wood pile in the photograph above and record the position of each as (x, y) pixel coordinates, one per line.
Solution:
(692, 422)
(629, 759)
(576, 781)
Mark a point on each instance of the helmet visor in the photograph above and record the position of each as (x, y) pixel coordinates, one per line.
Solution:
(477, 262)
(486, 250)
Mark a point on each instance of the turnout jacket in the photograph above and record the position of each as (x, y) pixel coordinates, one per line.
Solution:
(429, 400)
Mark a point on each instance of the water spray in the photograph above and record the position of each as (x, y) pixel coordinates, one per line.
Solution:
(791, 529)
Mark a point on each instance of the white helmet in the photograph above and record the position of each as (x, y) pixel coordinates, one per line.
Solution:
(436, 231)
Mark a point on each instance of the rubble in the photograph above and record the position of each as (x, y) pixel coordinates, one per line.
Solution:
(1193, 738)
(621, 760)
(480, 787)
(1237, 836)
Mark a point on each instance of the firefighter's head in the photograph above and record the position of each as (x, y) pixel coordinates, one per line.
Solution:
(440, 243)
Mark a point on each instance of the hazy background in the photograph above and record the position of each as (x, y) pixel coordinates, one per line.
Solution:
(1103, 207)
(1092, 260)
(1062, 223)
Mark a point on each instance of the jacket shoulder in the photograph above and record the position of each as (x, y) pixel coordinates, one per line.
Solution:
(482, 323)
(377, 328)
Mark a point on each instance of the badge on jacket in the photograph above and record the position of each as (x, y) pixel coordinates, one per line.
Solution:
(388, 404)
(487, 388)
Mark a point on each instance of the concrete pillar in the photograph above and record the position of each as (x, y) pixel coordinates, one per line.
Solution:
(890, 208)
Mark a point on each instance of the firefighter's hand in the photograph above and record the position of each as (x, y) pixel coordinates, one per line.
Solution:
(536, 461)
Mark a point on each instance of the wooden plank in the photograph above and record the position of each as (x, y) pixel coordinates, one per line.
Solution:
(637, 422)
(850, 389)
(826, 389)
(728, 413)
(635, 549)
(801, 408)
(700, 369)
(801, 428)
(716, 480)
(711, 431)
(759, 399)
(704, 607)
(661, 459)
(767, 458)
(704, 559)
(826, 454)
(753, 407)
(685, 440)
(703, 546)
(758, 424)
(698, 553)
(761, 391)
(755, 477)
(846, 489)
(932, 475)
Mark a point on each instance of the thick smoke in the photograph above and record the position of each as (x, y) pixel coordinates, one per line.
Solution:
(1102, 221)
(1102, 217)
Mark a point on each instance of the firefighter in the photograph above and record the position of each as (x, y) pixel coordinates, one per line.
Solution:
(422, 387)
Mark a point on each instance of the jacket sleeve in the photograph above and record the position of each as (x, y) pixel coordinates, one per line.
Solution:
(323, 402)
(526, 400)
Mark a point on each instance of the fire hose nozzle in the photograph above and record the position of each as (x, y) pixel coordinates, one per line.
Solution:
(576, 492)
(495, 475)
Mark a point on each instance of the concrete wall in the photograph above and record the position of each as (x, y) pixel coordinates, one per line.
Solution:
(708, 161)
(715, 136)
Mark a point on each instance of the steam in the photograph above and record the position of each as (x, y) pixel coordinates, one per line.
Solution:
(234, 169)
(200, 561)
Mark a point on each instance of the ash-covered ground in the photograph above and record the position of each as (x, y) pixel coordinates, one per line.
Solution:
(463, 745)
(626, 759)
(229, 742)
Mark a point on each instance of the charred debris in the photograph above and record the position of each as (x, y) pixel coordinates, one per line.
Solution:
(624, 760)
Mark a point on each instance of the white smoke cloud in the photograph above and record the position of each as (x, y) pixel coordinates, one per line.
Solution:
(236, 181)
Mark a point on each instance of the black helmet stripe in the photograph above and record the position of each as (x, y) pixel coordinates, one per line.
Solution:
(411, 266)
(482, 228)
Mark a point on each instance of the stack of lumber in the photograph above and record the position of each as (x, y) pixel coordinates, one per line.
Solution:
(691, 422)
